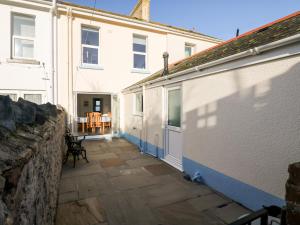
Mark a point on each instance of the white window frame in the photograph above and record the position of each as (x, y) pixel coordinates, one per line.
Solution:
(189, 45)
(21, 93)
(13, 37)
(93, 29)
(140, 53)
(135, 112)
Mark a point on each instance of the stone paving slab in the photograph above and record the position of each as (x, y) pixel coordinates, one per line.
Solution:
(208, 201)
(109, 155)
(143, 162)
(159, 169)
(230, 212)
(82, 168)
(111, 162)
(182, 213)
(88, 212)
(121, 186)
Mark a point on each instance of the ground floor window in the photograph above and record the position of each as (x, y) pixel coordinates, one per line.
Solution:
(12, 96)
(35, 98)
(138, 102)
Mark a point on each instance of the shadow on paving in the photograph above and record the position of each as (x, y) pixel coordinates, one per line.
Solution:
(120, 186)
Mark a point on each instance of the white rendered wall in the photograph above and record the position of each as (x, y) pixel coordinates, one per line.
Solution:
(245, 123)
(176, 46)
(153, 113)
(116, 57)
(133, 124)
(21, 78)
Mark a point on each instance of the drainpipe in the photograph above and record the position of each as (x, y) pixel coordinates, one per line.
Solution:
(52, 70)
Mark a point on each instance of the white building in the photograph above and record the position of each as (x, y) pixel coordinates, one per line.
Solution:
(229, 115)
(80, 57)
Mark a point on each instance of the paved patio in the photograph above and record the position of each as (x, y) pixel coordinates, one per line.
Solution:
(120, 186)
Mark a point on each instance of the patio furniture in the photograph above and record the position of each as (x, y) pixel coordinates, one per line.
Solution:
(74, 147)
(82, 121)
(98, 120)
(106, 119)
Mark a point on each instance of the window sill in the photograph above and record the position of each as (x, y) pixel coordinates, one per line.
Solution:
(91, 67)
(24, 61)
(142, 71)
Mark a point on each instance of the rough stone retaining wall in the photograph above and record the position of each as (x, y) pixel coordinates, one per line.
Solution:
(31, 151)
(293, 195)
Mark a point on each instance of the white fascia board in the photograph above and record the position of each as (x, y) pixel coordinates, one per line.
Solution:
(129, 21)
(250, 52)
(26, 3)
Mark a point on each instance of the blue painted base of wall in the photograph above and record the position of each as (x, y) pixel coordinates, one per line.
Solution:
(243, 193)
(144, 146)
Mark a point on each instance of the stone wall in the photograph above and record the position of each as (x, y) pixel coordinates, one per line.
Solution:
(293, 195)
(31, 151)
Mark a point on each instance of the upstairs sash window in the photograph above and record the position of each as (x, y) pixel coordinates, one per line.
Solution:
(23, 36)
(139, 52)
(90, 45)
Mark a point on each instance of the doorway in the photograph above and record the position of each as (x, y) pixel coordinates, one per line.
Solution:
(173, 131)
(89, 105)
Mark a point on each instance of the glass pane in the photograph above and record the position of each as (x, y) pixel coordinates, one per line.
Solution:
(90, 37)
(97, 103)
(139, 48)
(188, 51)
(35, 98)
(174, 108)
(90, 55)
(12, 96)
(139, 40)
(97, 109)
(23, 26)
(139, 61)
(139, 44)
(23, 48)
(139, 103)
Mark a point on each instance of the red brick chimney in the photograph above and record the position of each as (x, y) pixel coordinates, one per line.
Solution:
(141, 10)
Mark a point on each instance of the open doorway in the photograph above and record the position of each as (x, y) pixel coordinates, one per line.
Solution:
(94, 114)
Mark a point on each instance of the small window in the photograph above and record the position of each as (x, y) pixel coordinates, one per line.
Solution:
(90, 45)
(138, 103)
(139, 52)
(23, 36)
(12, 96)
(35, 98)
(189, 49)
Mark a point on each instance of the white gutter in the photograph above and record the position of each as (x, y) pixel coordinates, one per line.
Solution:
(52, 47)
(250, 52)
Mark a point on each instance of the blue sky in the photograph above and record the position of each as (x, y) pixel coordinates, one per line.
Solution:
(218, 18)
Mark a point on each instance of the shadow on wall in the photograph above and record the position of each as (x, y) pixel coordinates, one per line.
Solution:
(251, 135)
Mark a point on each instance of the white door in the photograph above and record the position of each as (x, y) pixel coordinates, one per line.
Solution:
(173, 131)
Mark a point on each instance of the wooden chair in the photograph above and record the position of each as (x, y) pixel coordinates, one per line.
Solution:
(98, 120)
(90, 121)
(108, 123)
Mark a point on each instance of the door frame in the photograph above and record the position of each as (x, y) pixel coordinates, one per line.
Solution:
(75, 111)
(174, 163)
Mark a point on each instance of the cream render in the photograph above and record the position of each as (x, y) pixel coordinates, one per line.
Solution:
(252, 108)
(70, 77)
(32, 77)
(244, 103)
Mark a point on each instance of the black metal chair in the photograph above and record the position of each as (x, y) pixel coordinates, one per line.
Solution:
(74, 147)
